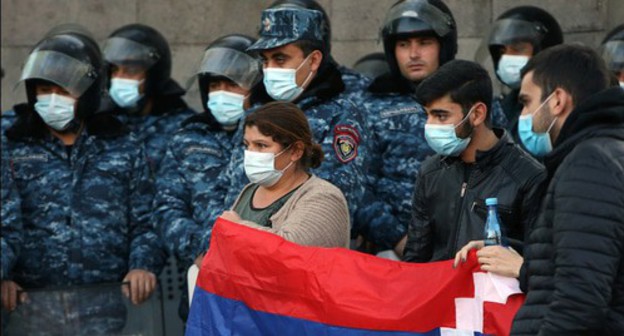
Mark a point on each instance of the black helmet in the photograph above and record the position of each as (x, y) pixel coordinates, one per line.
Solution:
(526, 24)
(141, 45)
(372, 65)
(70, 28)
(419, 17)
(310, 4)
(227, 57)
(612, 49)
(70, 60)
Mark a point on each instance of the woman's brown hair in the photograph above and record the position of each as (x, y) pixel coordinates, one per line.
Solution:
(287, 124)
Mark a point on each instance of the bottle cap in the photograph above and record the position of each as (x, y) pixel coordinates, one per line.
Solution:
(491, 201)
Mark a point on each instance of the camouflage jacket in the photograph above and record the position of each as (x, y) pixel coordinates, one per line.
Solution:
(85, 208)
(155, 130)
(398, 123)
(11, 231)
(188, 199)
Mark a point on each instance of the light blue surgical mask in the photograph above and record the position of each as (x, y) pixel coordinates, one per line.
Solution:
(509, 67)
(622, 85)
(443, 139)
(538, 144)
(281, 84)
(226, 107)
(125, 92)
(57, 111)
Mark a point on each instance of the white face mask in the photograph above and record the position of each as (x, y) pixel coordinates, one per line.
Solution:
(260, 168)
(57, 111)
(125, 92)
(622, 85)
(509, 68)
(281, 84)
(226, 107)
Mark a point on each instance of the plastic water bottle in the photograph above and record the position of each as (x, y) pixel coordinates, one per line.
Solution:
(493, 234)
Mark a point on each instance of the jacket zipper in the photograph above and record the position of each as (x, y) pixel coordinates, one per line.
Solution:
(462, 194)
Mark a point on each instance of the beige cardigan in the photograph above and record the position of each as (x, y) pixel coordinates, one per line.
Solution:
(316, 215)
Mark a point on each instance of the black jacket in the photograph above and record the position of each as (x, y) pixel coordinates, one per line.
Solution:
(574, 262)
(448, 209)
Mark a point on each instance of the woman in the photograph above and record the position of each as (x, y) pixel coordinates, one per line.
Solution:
(283, 197)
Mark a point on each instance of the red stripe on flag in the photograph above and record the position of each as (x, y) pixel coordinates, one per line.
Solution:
(335, 286)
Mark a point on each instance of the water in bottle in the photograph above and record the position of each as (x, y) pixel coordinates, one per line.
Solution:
(493, 234)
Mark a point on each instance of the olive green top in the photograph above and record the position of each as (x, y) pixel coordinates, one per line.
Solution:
(262, 216)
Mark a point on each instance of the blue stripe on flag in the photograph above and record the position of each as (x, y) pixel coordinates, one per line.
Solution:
(215, 315)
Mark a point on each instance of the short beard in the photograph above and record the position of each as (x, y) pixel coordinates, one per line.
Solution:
(465, 130)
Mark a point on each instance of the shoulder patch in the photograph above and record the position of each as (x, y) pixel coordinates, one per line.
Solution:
(346, 141)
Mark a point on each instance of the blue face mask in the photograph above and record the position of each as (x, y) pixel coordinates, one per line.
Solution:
(509, 68)
(538, 144)
(226, 107)
(281, 84)
(125, 92)
(443, 139)
(57, 111)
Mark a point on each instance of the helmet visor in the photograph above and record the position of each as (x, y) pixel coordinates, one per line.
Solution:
(122, 51)
(239, 67)
(421, 10)
(509, 31)
(613, 54)
(69, 73)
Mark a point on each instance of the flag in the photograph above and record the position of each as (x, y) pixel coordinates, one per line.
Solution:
(256, 283)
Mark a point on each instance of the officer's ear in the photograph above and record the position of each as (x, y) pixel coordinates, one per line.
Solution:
(316, 58)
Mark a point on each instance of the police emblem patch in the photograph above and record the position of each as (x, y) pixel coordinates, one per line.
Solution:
(267, 24)
(346, 141)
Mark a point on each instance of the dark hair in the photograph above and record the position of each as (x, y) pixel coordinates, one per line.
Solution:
(577, 69)
(308, 46)
(466, 82)
(287, 124)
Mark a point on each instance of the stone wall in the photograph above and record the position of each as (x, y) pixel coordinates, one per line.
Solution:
(190, 25)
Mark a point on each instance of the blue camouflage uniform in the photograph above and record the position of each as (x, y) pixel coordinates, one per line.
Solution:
(355, 83)
(86, 214)
(188, 199)
(11, 238)
(155, 130)
(397, 122)
(7, 119)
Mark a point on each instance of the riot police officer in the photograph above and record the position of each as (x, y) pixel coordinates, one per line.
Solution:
(517, 35)
(612, 50)
(418, 37)
(188, 197)
(141, 89)
(83, 184)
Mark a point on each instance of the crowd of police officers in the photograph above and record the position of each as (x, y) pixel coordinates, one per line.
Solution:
(106, 170)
